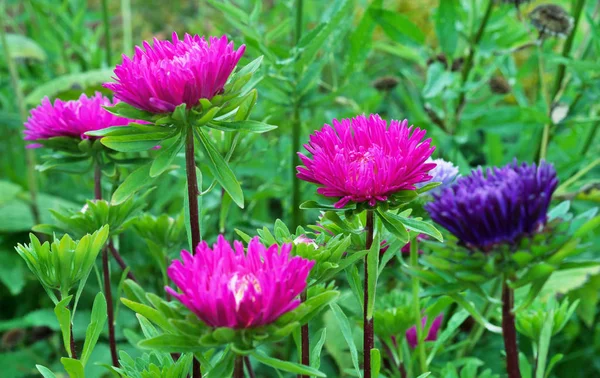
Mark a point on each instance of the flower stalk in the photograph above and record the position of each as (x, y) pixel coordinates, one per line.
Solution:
(296, 132)
(368, 332)
(414, 262)
(238, 370)
(192, 189)
(305, 340)
(509, 332)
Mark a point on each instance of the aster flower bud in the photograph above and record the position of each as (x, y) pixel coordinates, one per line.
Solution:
(362, 160)
(63, 263)
(530, 321)
(551, 19)
(411, 334)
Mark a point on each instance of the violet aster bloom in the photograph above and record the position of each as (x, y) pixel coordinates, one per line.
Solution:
(160, 77)
(71, 118)
(411, 334)
(226, 287)
(444, 172)
(500, 205)
(363, 160)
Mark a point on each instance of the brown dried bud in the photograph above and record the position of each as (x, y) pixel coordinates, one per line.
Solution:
(551, 19)
(441, 58)
(499, 85)
(385, 83)
(12, 338)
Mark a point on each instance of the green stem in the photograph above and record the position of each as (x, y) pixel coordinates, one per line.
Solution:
(29, 153)
(107, 41)
(468, 65)
(127, 29)
(296, 132)
(478, 329)
(560, 73)
(368, 326)
(543, 149)
(414, 262)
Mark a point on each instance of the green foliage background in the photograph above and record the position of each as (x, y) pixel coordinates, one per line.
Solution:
(401, 59)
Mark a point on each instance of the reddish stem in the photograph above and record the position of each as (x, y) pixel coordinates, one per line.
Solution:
(305, 341)
(109, 309)
(510, 333)
(368, 323)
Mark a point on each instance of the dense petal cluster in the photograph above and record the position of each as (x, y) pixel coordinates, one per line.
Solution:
(71, 118)
(160, 77)
(500, 205)
(411, 334)
(444, 172)
(227, 287)
(363, 160)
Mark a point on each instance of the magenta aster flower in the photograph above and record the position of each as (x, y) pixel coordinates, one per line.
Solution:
(411, 334)
(160, 77)
(71, 118)
(226, 287)
(363, 160)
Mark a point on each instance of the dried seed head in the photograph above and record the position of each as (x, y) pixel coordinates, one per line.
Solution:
(516, 2)
(456, 63)
(385, 83)
(499, 85)
(551, 19)
(12, 338)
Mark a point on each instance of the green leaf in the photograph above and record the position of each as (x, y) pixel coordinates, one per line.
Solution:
(417, 225)
(445, 26)
(97, 321)
(247, 126)
(65, 83)
(251, 67)
(474, 313)
(347, 333)
(438, 78)
(315, 353)
(288, 366)
(375, 362)
(63, 314)
(544, 342)
(123, 109)
(22, 47)
(172, 343)
(138, 142)
(555, 360)
(73, 367)
(136, 180)
(360, 41)
(398, 26)
(220, 169)
(393, 225)
(340, 9)
(46, 373)
(164, 159)
(314, 205)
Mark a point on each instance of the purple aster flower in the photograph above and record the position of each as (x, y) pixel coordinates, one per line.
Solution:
(411, 334)
(500, 205)
(363, 160)
(227, 287)
(71, 118)
(160, 77)
(444, 172)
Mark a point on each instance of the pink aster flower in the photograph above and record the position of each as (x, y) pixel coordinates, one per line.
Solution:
(363, 160)
(411, 334)
(71, 118)
(226, 287)
(160, 77)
